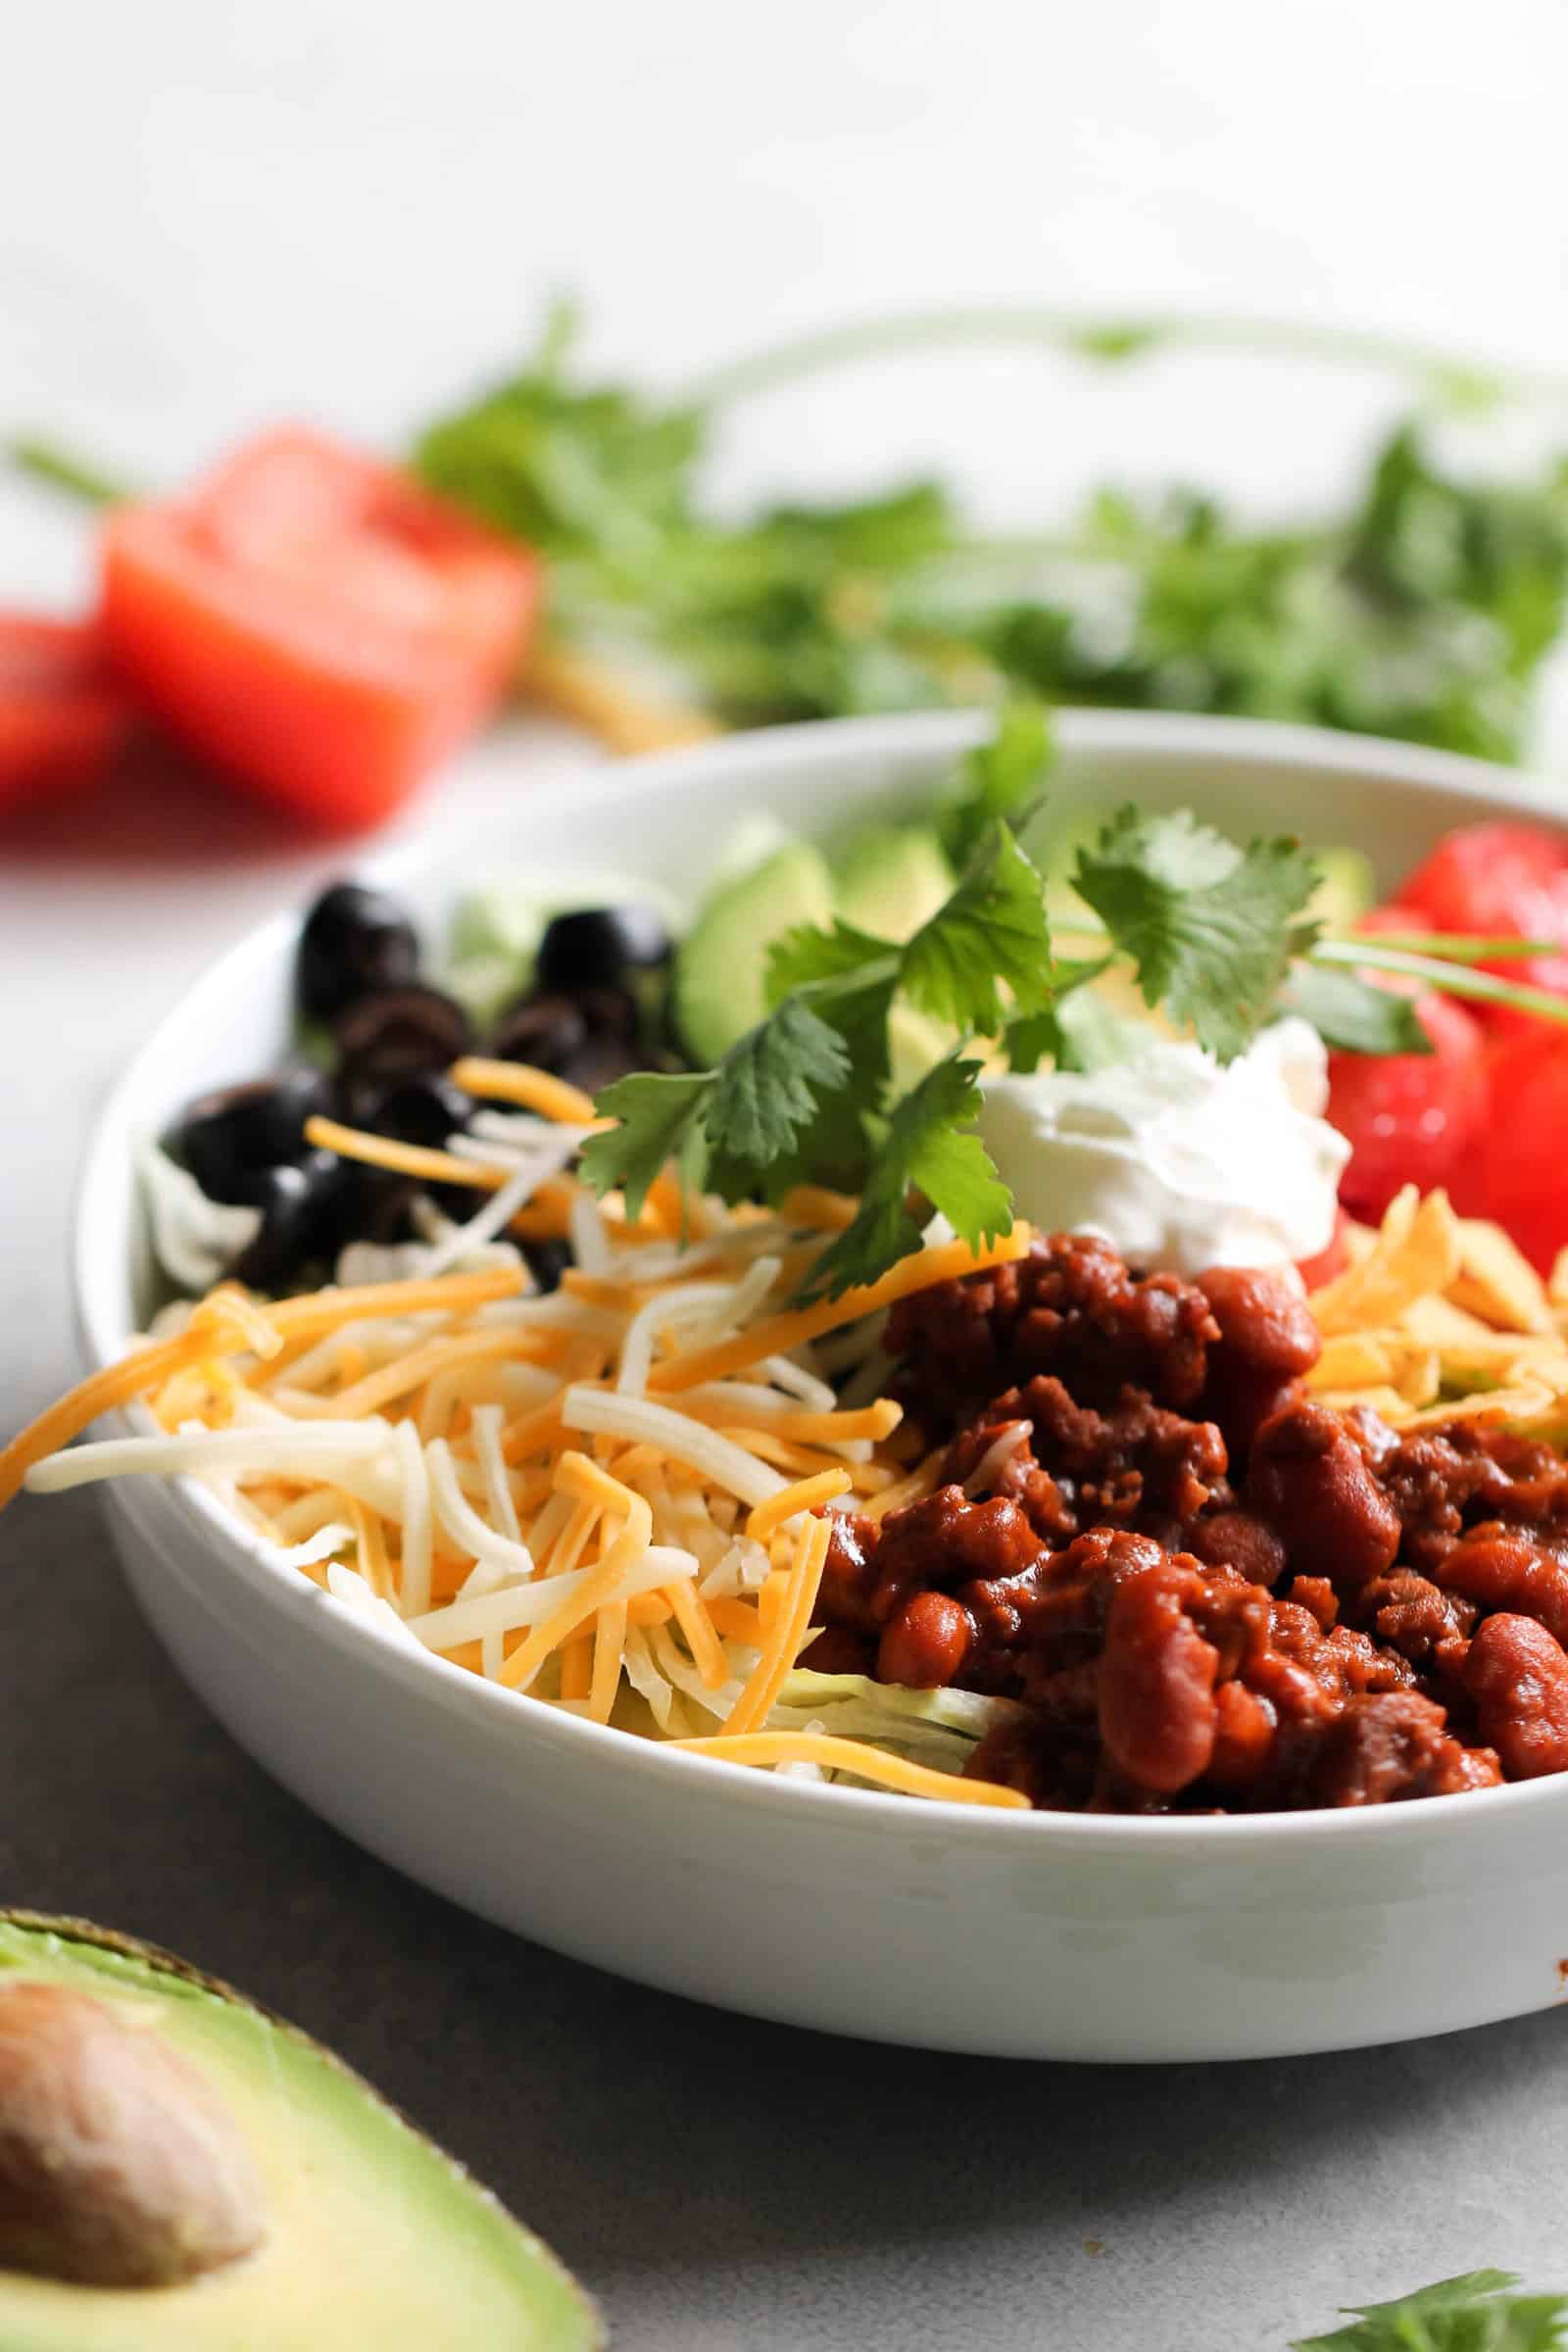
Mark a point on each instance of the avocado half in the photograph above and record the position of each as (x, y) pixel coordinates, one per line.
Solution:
(284, 2205)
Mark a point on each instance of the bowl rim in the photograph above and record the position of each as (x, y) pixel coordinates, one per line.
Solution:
(105, 1168)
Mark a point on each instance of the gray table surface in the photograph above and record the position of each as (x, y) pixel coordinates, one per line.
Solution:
(720, 2184)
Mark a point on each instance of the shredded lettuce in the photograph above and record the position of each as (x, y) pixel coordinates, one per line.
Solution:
(938, 1727)
(193, 1238)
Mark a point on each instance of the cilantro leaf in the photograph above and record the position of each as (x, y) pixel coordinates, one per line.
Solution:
(1353, 1014)
(741, 1124)
(994, 927)
(655, 1114)
(573, 470)
(1003, 777)
(809, 954)
(1475, 2313)
(1208, 926)
(928, 1145)
(766, 1089)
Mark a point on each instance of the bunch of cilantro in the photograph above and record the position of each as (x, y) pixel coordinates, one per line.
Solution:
(1219, 937)
(1424, 612)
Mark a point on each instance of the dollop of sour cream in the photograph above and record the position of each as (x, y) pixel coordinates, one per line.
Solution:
(1176, 1159)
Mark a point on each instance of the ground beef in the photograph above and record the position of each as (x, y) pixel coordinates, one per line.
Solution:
(1070, 1309)
(1071, 1467)
(1207, 1591)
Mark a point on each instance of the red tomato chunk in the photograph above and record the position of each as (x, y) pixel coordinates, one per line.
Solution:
(1502, 881)
(64, 716)
(314, 623)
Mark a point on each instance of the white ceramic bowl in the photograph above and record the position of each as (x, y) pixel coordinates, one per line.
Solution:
(1027, 1935)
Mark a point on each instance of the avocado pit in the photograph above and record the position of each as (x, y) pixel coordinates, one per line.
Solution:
(120, 2166)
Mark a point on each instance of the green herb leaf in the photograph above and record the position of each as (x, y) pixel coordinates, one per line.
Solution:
(994, 927)
(766, 1089)
(1475, 2313)
(655, 1114)
(1208, 926)
(1353, 1014)
(809, 954)
(928, 1145)
(1004, 777)
(573, 470)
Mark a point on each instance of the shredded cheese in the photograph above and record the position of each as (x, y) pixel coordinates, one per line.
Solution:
(803, 1495)
(781, 1335)
(535, 1090)
(567, 1494)
(782, 1643)
(851, 1755)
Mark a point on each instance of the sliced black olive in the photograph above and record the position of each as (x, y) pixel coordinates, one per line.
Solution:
(599, 947)
(353, 941)
(427, 1111)
(399, 1034)
(589, 1038)
(227, 1139)
(306, 1208)
(421, 1110)
(312, 1209)
(548, 1262)
(385, 1214)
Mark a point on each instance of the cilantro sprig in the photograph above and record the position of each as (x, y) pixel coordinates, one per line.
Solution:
(1217, 936)
(1478, 2312)
(1422, 608)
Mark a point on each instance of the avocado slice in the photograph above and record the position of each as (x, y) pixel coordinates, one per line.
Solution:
(283, 2205)
(722, 966)
(893, 878)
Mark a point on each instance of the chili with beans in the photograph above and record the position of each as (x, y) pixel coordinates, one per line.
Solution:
(1210, 1593)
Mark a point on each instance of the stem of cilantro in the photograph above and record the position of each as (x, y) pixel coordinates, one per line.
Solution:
(46, 462)
(1451, 378)
(1450, 947)
(1453, 979)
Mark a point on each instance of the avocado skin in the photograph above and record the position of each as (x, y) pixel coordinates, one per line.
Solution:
(551, 2311)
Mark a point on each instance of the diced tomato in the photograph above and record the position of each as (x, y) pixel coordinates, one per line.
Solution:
(1409, 1118)
(1514, 1172)
(1503, 880)
(63, 715)
(1330, 1260)
(316, 622)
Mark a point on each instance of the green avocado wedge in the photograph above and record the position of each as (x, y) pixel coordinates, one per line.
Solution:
(303, 2211)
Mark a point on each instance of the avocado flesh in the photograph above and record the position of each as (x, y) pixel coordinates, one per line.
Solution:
(721, 986)
(892, 879)
(374, 2237)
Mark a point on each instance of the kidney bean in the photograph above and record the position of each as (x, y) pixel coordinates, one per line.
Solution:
(1239, 1540)
(1267, 1340)
(1503, 1569)
(926, 1642)
(1158, 1713)
(1517, 1673)
(1245, 1729)
(1308, 1478)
